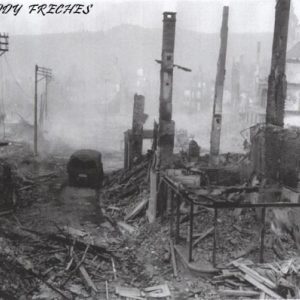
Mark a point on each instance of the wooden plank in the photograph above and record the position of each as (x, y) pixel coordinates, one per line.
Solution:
(262, 296)
(74, 232)
(136, 210)
(132, 293)
(90, 286)
(257, 276)
(67, 240)
(262, 287)
(106, 290)
(173, 259)
(127, 227)
(234, 283)
(238, 228)
(205, 234)
(239, 293)
(158, 291)
(7, 212)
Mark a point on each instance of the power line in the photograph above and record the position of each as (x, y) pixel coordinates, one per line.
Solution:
(29, 97)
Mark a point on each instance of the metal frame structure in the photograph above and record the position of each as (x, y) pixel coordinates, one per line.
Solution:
(3, 43)
(46, 73)
(166, 185)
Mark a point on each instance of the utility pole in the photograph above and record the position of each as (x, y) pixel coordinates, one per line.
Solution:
(218, 98)
(235, 84)
(3, 48)
(277, 83)
(3, 43)
(44, 72)
(258, 50)
(105, 101)
(42, 107)
(45, 102)
(35, 110)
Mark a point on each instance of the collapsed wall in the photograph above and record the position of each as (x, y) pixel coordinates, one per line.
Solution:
(275, 153)
(275, 157)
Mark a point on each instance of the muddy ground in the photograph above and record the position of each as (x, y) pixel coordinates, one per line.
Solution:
(47, 204)
(35, 264)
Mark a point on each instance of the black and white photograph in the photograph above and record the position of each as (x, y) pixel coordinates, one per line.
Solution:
(150, 150)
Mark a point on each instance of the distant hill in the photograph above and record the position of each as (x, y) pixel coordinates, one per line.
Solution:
(128, 48)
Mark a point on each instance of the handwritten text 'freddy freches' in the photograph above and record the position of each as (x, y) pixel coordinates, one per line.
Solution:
(46, 9)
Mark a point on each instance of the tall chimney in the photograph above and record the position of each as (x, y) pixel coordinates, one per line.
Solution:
(277, 84)
(218, 98)
(166, 125)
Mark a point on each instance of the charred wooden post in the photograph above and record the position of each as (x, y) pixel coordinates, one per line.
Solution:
(258, 50)
(163, 158)
(194, 151)
(218, 98)
(166, 125)
(138, 121)
(257, 71)
(277, 84)
(235, 84)
(7, 185)
(126, 149)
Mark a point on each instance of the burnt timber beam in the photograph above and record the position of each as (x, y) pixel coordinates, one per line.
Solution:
(277, 83)
(166, 124)
(138, 121)
(218, 98)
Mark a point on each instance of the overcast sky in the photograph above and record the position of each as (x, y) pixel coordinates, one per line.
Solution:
(198, 15)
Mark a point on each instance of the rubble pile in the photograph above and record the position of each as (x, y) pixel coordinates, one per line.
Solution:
(42, 265)
(126, 194)
(275, 280)
(58, 265)
(122, 254)
(238, 235)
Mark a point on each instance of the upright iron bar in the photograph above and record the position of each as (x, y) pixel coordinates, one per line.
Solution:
(162, 199)
(215, 237)
(262, 237)
(177, 217)
(191, 233)
(172, 212)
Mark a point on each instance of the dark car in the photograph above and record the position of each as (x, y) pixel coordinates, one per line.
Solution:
(85, 167)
